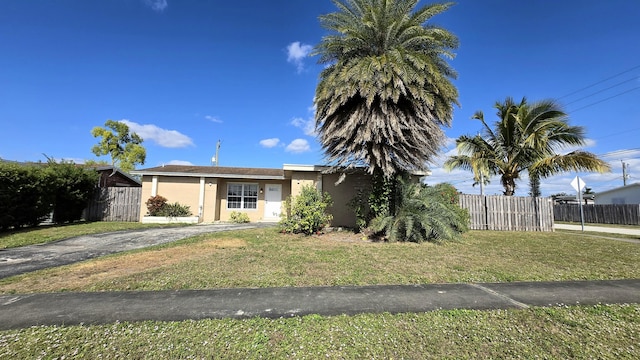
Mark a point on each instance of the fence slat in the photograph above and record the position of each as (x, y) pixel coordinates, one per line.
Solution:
(115, 204)
(620, 214)
(508, 213)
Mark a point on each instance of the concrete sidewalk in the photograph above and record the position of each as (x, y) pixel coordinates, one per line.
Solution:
(602, 229)
(20, 311)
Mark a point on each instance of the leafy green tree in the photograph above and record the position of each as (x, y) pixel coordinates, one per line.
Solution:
(526, 137)
(125, 148)
(386, 89)
(423, 213)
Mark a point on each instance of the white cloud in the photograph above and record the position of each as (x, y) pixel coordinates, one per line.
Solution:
(269, 143)
(308, 126)
(296, 52)
(163, 137)
(298, 146)
(157, 5)
(213, 119)
(179, 162)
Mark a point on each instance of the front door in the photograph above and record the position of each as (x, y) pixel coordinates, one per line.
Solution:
(272, 201)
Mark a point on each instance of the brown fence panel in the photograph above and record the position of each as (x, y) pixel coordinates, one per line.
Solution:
(509, 213)
(115, 204)
(622, 214)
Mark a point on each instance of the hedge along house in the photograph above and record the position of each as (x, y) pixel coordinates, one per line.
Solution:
(213, 192)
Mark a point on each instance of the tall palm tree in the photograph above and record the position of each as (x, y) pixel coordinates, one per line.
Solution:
(386, 88)
(526, 137)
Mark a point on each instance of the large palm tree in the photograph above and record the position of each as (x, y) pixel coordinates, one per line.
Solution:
(386, 88)
(526, 137)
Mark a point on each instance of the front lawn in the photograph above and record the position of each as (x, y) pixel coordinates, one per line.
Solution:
(592, 332)
(266, 258)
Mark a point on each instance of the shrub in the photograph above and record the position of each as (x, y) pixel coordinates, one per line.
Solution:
(155, 205)
(158, 206)
(239, 217)
(423, 213)
(30, 192)
(26, 195)
(307, 212)
(174, 210)
(74, 188)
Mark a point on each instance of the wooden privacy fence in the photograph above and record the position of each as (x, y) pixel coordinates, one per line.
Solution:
(115, 204)
(623, 214)
(509, 213)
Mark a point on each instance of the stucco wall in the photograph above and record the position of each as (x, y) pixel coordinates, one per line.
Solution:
(300, 179)
(184, 190)
(342, 193)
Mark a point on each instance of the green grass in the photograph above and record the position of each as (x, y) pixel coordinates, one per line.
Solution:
(265, 258)
(588, 332)
(48, 233)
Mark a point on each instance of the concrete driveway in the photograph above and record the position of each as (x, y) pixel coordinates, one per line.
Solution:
(25, 259)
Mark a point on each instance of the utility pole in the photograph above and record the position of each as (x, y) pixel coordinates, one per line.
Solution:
(625, 173)
(217, 152)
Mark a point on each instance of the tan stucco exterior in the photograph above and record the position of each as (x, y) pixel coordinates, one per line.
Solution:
(204, 189)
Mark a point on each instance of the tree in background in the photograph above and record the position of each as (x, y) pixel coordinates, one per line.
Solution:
(125, 148)
(387, 86)
(526, 137)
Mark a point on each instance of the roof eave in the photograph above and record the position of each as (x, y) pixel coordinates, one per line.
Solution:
(209, 175)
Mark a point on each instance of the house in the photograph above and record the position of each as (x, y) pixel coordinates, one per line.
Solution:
(213, 192)
(111, 176)
(629, 194)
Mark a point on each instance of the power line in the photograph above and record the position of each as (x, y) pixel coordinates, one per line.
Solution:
(601, 91)
(598, 82)
(605, 99)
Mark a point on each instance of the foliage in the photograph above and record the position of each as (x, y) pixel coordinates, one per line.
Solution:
(30, 192)
(74, 187)
(564, 332)
(307, 212)
(526, 137)
(155, 204)
(239, 217)
(125, 148)
(174, 210)
(361, 209)
(158, 206)
(423, 213)
(386, 89)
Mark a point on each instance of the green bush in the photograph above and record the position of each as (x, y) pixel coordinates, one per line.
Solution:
(74, 188)
(307, 212)
(174, 210)
(158, 206)
(239, 217)
(423, 213)
(30, 192)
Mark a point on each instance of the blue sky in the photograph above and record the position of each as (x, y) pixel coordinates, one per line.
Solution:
(185, 74)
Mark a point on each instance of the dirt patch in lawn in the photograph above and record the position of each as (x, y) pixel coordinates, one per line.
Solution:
(80, 275)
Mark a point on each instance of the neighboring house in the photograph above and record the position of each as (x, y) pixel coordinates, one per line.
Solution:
(111, 176)
(588, 199)
(629, 194)
(214, 192)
